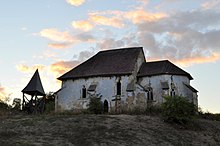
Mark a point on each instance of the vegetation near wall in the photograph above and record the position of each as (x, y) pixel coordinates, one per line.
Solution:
(49, 102)
(95, 105)
(178, 109)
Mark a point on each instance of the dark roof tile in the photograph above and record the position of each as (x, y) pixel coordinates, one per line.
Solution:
(161, 67)
(106, 63)
(191, 88)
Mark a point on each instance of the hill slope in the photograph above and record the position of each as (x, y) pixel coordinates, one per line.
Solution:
(104, 130)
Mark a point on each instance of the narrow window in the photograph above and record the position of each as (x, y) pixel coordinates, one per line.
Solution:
(84, 92)
(150, 95)
(172, 93)
(118, 88)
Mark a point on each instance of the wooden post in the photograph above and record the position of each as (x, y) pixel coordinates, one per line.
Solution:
(23, 102)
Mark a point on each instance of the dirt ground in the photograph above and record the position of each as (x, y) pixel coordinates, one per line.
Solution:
(104, 130)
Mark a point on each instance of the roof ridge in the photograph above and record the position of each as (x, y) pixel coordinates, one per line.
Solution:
(165, 60)
(119, 49)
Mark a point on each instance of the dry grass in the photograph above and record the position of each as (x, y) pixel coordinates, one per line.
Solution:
(67, 129)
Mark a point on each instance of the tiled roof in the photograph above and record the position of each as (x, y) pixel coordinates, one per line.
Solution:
(161, 67)
(106, 63)
(191, 88)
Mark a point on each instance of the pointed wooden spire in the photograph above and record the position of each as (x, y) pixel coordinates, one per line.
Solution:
(34, 87)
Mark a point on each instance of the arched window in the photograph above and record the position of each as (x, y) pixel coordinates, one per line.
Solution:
(84, 92)
(172, 93)
(118, 88)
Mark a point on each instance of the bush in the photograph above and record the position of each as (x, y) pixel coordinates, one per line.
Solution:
(95, 105)
(178, 109)
(49, 102)
(3, 105)
(209, 116)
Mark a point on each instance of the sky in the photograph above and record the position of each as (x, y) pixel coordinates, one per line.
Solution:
(56, 35)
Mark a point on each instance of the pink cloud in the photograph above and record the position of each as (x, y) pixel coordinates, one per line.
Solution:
(56, 35)
(139, 16)
(61, 67)
(63, 39)
(84, 25)
(107, 21)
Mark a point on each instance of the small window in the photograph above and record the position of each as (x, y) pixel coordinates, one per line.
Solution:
(84, 92)
(150, 95)
(92, 87)
(118, 88)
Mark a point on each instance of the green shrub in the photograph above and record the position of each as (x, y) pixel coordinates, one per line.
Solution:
(178, 109)
(95, 105)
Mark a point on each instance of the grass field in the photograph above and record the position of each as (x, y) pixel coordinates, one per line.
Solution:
(67, 129)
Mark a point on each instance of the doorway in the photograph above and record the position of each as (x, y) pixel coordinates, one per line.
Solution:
(105, 106)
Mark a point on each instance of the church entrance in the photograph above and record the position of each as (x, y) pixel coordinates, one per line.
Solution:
(105, 106)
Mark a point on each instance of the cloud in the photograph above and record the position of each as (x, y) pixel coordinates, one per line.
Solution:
(84, 55)
(102, 20)
(83, 25)
(75, 2)
(56, 35)
(140, 16)
(3, 93)
(185, 37)
(210, 4)
(61, 67)
(29, 69)
(63, 39)
(111, 43)
(85, 37)
(118, 18)
(59, 45)
(45, 75)
(213, 57)
(144, 2)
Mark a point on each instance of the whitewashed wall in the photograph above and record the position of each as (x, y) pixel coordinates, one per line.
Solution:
(156, 85)
(70, 96)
